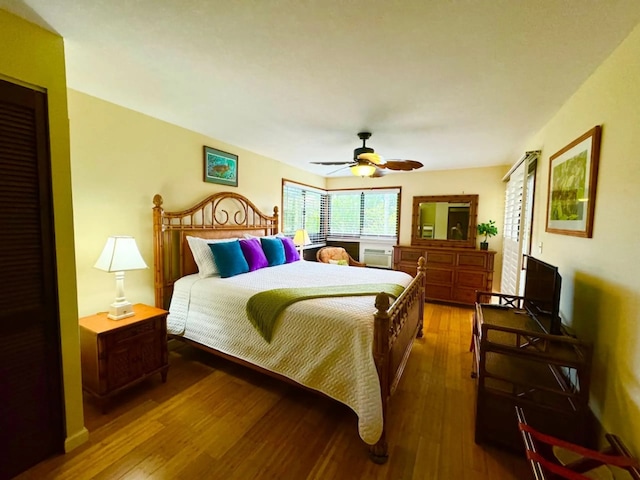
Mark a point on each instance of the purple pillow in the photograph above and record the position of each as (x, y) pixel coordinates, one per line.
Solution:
(252, 250)
(290, 252)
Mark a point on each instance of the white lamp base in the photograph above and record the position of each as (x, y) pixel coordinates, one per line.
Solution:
(120, 310)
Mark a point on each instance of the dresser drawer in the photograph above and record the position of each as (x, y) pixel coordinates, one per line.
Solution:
(471, 279)
(439, 292)
(438, 275)
(410, 256)
(473, 260)
(406, 268)
(465, 295)
(441, 258)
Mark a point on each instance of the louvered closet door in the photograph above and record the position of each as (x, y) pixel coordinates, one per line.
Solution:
(31, 408)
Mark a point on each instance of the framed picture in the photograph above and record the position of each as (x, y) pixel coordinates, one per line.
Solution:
(220, 167)
(573, 174)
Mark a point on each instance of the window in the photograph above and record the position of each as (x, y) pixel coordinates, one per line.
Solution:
(364, 213)
(340, 213)
(304, 207)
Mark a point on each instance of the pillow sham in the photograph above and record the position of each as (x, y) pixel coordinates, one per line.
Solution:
(229, 258)
(277, 235)
(253, 253)
(274, 250)
(203, 256)
(290, 252)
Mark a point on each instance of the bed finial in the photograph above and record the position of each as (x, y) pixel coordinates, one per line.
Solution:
(382, 302)
(157, 200)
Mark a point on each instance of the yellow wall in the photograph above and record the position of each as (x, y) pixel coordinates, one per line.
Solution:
(601, 275)
(484, 182)
(120, 159)
(33, 56)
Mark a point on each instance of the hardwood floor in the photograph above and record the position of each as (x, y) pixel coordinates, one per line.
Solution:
(215, 420)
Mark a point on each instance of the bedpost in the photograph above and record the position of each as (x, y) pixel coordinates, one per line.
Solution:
(158, 248)
(379, 452)
(276, 220)
(422, 269)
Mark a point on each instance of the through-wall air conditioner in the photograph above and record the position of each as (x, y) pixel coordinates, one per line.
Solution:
(377, 256)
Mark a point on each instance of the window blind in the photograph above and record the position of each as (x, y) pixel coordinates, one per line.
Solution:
(304, 207)
(364, 213)
(340, 213)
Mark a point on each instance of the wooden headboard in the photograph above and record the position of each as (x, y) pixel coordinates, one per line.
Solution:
(221, 215)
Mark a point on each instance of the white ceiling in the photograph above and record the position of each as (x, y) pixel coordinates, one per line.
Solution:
(453, 84)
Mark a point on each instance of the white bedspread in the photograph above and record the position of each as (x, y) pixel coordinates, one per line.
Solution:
(324, 344)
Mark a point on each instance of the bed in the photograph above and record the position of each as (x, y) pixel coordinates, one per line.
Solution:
(350, 348)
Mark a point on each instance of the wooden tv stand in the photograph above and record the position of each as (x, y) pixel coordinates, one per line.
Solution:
(516, 363)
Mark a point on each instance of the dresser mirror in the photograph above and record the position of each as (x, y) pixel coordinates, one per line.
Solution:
(444, 221)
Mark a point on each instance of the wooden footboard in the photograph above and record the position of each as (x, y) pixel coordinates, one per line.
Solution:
(395, 328)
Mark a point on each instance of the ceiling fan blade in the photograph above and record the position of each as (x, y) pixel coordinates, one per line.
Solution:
(378, 173)
(336, 171)
(371, 157)
(404, 165)
(331, 163)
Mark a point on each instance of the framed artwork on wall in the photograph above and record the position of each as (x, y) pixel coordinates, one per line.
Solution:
(220, 167)
(573, 175)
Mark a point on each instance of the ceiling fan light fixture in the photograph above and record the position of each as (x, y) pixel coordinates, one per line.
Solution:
(362, 170)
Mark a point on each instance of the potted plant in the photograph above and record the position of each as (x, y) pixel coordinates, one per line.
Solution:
(488, 230)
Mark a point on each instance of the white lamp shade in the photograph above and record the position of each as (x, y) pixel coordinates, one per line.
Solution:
(301, 238)
(120, 254)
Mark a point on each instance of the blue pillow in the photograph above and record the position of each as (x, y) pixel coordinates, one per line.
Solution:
(290, 252)
(274, 250)
(229, 258)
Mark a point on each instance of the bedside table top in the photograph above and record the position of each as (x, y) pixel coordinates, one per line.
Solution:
(99, 322)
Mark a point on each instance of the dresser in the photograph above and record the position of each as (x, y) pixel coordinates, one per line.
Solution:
(453, 274)
(117, 354)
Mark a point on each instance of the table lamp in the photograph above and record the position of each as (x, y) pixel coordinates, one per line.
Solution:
(120, 253)
(300, 239)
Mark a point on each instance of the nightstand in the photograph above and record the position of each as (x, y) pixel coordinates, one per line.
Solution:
(117, 354)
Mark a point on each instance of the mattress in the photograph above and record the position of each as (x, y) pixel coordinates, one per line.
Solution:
(324, 344)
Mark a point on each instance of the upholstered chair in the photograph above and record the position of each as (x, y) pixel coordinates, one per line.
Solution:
(337, 255)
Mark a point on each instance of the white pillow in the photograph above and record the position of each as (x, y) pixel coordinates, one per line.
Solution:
(203, 255)
(279, 234)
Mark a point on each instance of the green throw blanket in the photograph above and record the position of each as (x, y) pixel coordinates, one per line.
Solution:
(264, 308)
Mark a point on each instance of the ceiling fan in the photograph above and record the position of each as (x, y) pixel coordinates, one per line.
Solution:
(367, 163)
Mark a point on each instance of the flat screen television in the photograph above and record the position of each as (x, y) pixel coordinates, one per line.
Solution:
(542, 294)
